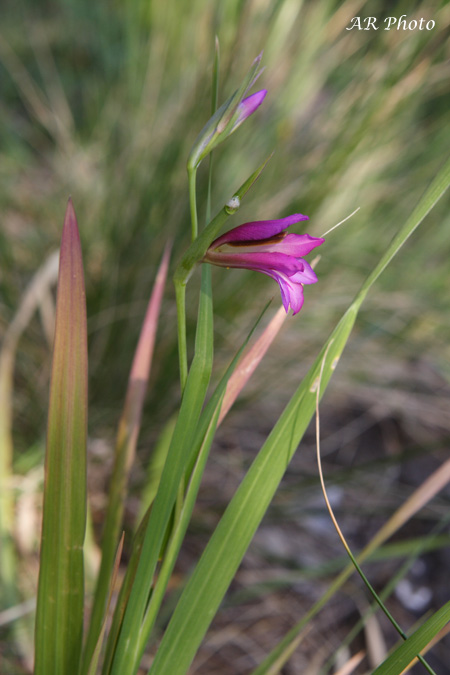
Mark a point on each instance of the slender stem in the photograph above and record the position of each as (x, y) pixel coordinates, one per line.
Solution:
(192, 175)
(180, 294)
(214, 103)
(369, 586)
(180, 288)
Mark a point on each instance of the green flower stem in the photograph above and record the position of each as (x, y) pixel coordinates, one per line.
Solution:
(192, 175)
(180, 295)
(198, 248)
(180, 285)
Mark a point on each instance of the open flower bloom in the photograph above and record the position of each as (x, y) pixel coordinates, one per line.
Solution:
(265, 246)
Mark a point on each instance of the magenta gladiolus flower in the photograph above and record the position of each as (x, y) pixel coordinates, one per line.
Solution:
(265, 246)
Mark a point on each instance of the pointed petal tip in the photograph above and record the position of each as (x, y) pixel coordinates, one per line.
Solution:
(262, 93)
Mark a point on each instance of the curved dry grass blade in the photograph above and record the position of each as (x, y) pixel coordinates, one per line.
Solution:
(369, 586)
(349, 667)
(59, 612)
(250, 361)
(253, 357)
(430, 488)
(127, 436)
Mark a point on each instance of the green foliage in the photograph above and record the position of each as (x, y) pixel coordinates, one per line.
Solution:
(213, 574)
(405, 653)
(60, 601)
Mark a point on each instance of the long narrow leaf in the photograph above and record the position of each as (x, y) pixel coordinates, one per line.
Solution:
(126, 655)
(429, 489)
(199, 447)
(92, 668)
(436, 190)
(127, 436)
(59, 612)
(178, 533)
(218, 564)
(202, 444)
(406, 652)
(250, 361)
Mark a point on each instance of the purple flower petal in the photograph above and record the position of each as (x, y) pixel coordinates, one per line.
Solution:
(257, 261)
(259, 229)
(306, 276)
(296, 245)
(248, 106)
(299, 245)
(291, 293)
(265, 246)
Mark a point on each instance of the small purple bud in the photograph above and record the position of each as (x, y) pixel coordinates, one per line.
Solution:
(228, 118)
(248, 106)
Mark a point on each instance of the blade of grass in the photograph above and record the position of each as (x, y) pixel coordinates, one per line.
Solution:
(156, 466)
(204, 427)
(250, 362)
(96, 653)
(437, 638)
(127, 437)
(284, 656)
(351, 665)
(419, 548)
(59, 611)
(178, 458)
(202, 445)
(221, 558)
(434, 484)
(406, 652)
(355, 563)
(178, 533)
(124, 593)
(214, 102)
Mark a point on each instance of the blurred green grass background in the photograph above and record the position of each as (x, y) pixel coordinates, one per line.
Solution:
(102, 101)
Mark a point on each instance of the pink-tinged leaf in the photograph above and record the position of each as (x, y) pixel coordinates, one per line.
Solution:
(250, 361)
(59, 612)
(140, 370)
(127, 436)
